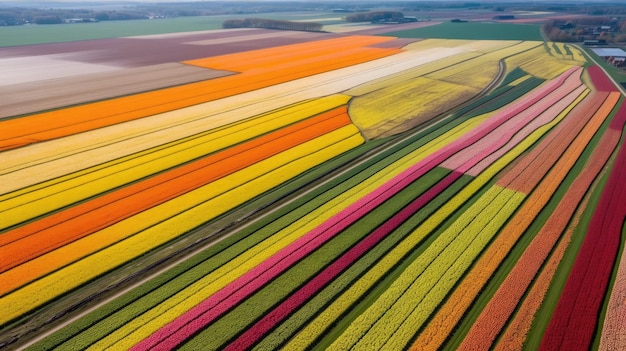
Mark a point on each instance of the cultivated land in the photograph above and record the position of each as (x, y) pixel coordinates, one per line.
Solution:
(374, 188)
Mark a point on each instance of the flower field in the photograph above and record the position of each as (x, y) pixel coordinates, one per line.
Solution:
(342, 192)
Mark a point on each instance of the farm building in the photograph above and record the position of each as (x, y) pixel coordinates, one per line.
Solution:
(614, 56)
(594, 42)
(503, 17)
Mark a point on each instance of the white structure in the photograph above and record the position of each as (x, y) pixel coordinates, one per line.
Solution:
(614, 56)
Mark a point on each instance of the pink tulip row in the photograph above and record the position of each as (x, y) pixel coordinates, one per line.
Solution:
(514, 138)
(536, 163)
(210, 309)
(550, 233)
(524, 177)
(497, 312)
(269, 321)
(511, 122)
(575, 318)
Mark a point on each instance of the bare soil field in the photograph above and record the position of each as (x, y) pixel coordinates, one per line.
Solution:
(40, 95)
(157, 49)
(47, 76)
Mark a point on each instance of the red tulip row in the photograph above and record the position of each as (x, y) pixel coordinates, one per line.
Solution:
(538, 161)
(576, 316)
(504, 302)
(600, 80)
(518, 328)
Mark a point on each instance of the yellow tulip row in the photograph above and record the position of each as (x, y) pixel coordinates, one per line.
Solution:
(538, 63)
(413, 101)
(48, 196)
(481, 46)
(566, 52)
(487, 46)
(361, 325)
(577, 54)
(526, 144)
(479, 72)
(519, 80)
(437, 270)
(32, 165)
(397, 102)
(339, 306)
(412, 73)
(125, 240)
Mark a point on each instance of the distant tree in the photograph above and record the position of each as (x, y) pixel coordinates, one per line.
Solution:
(233, 23)
(118, 15)
(374, 16)
(102, 16)
(547, 27)
(271, 24)
(48, 20)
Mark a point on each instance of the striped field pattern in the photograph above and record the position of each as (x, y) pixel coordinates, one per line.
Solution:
(341, 193)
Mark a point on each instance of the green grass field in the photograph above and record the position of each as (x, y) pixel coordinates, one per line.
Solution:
(55, 33)
(474, 31)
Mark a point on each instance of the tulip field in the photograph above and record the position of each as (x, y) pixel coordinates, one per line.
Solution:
(322, 191)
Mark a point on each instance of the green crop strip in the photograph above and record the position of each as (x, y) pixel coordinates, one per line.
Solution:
(363, 302)
(474, 31)
(218, 334)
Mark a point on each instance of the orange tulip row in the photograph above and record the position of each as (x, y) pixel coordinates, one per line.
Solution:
(532, 167)
(499, 309)
(263, 68)
(29, 241)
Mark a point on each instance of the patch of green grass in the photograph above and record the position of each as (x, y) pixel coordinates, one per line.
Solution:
(474, 31)
(56, 33)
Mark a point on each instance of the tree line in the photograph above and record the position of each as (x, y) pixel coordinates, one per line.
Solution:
(271, 24)
(374, 16)
(607, 29)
